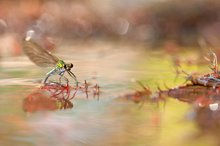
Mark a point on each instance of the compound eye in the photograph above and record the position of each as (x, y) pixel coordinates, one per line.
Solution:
(65, 66)
(71, 65)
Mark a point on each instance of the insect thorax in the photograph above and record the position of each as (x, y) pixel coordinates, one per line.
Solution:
(60, 64)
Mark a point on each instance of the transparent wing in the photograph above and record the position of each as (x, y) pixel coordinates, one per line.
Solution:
(39, 55)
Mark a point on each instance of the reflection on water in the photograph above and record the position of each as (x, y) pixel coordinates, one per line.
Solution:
(38, 101)
(53, 96)
(205, 104)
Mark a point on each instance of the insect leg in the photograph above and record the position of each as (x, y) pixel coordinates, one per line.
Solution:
(62, 76)
(44, 81)
(50, 73)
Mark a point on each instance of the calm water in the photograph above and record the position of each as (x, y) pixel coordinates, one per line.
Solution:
(104, 122)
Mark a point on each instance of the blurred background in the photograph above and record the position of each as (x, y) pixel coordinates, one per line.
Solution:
(156, 23)
(111, 43)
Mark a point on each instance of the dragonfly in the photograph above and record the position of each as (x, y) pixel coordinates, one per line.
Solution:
(43, 58)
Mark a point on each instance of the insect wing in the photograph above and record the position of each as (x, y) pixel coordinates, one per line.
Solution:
(39, 55)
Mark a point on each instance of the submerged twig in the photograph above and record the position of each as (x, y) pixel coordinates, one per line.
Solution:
(213, 63)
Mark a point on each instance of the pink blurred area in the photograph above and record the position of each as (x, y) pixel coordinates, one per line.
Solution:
(191, 23)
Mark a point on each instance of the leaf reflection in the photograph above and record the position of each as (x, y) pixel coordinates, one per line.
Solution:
(205, 104)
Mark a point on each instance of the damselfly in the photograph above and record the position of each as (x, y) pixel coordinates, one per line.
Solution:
(44, 58)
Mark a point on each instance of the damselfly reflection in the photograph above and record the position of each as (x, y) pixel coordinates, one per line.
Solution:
(55, 96)
(39, 101)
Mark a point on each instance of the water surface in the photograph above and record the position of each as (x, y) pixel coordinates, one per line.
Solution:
(107, 121)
